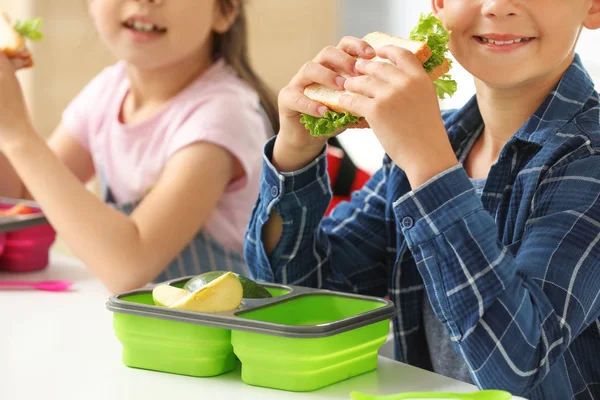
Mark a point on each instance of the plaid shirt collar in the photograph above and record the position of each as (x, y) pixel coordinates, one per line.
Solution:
(574, 89)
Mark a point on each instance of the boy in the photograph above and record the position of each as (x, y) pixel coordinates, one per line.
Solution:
(483, 224)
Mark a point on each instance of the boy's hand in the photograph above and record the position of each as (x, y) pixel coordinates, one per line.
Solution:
(14, 117)
(294, 146)
(401, 105)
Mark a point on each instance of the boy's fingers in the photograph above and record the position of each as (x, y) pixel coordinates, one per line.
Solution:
(380, 70)
(356, 103)
(313, 72)
(337, 60)
(365, 85)
(356, 47)
(295, 100)
(402, 58)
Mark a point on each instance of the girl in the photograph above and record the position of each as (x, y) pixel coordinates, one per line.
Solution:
(173, 131)
(482, 224)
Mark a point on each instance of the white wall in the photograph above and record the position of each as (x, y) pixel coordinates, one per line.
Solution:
(588, 50)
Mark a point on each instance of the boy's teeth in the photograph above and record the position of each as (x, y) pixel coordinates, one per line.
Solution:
(501, 43)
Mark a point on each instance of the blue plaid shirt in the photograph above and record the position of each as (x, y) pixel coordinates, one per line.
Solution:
(514, 276)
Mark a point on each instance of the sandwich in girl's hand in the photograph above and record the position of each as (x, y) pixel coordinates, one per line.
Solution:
(12, 39)
(428, 41)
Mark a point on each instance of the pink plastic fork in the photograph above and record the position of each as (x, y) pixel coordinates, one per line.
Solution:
(48, 286)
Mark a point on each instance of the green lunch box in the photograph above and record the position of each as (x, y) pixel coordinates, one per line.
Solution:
(300, 340)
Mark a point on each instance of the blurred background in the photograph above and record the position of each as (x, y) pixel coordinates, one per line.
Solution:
(283, 35)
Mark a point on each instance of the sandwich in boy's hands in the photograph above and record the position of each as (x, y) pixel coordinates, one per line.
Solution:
(429, 44)
(311, 101)
(363, 83)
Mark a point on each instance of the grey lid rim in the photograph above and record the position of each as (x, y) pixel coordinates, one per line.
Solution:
(9, 224)
(230, 320)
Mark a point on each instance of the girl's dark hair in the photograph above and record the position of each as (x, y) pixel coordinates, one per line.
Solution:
(232, 46)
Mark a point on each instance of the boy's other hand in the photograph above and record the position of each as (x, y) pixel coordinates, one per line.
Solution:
(400, 102)
(294, 146)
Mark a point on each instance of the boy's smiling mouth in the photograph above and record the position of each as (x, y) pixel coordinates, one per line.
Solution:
(503, 42)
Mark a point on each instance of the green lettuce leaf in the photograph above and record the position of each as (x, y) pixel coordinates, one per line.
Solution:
(445, 86)
(431, 31)
(30, 29)
(328, 124)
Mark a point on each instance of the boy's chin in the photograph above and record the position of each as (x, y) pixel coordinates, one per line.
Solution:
(512, 83)
(508, 78)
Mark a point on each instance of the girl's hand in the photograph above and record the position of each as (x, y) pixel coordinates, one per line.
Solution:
(400, 102)
(14, 117)
(294, 146)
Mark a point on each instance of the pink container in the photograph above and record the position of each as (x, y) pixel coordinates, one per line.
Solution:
(26, 249)
(2, 242)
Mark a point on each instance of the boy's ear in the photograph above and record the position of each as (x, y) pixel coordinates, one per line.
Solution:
(227, 12)
(592, 21)
(437, 6)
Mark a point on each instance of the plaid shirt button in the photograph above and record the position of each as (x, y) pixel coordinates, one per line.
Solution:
(274, 191)
(407, 222)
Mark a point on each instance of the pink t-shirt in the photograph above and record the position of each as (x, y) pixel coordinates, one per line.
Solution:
(218, 107)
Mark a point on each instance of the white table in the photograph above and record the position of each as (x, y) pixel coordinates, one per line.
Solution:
(62, 346)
